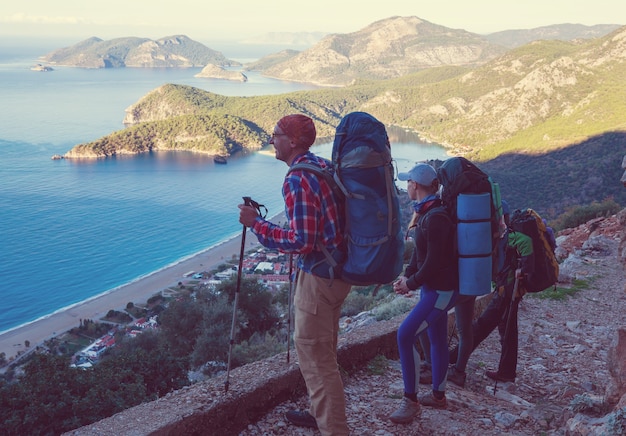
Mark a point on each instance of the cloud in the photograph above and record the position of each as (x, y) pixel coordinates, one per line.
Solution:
(21, 18)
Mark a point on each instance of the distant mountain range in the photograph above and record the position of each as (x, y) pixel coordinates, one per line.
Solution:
(177, 51)
(385, 49)
(563, 32)
(547, 117)
(537, 97)
(398, 46)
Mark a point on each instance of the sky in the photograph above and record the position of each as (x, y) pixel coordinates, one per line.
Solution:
(225, 20)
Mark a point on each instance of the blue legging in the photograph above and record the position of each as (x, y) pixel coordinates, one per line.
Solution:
(429, 314)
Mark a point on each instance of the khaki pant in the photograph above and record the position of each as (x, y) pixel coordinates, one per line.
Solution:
(317, 311)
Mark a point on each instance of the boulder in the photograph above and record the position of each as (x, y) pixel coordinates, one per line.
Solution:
(616, 362)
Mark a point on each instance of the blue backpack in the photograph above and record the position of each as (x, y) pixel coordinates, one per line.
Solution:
(361, 172)
(473, 201)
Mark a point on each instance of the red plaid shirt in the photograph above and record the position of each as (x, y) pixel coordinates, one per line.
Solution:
(312, 213)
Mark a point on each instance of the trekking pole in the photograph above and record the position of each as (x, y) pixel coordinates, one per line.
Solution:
(289, 305)
(508, 319)
(247, 202)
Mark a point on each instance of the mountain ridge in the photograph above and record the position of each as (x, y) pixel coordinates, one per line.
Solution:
(481, 112)
(385, 49)
(565, 32)
(525, 105)
(177, 51)
(422, 43)
(401, 45)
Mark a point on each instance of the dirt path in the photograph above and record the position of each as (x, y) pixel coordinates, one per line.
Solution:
(562, 355)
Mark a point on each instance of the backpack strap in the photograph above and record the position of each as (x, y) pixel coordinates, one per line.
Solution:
(437, 210)
(329, 259)
(332, 179)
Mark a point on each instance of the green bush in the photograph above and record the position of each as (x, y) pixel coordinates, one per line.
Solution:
(393, 308)
(581, 214)
(362, 299)
(561, 293)
(378, 365)
(356, 303)
(258, 347)
(282, 296)
(155, 298)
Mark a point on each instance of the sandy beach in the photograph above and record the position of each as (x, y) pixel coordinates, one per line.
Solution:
(137, 292)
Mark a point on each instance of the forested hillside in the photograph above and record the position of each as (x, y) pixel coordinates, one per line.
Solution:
(547, 101)
(554, 181)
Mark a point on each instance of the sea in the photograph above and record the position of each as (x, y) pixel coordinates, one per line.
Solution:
(72, 230)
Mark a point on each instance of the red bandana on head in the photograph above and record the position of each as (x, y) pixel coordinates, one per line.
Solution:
(299, 128)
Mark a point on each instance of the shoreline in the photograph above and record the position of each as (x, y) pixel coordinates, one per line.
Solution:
(138, 291)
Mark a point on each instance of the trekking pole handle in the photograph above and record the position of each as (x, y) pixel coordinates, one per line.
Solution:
(260, 208)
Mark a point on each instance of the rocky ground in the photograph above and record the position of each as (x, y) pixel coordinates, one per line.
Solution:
(562, 365)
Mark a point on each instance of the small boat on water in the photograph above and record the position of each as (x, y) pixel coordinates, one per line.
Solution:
(40, 67)
(220, 160)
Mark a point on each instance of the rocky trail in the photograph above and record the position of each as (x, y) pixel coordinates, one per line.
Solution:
(567, 351)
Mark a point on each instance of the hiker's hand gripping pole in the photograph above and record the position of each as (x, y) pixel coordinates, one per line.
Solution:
(249, 211)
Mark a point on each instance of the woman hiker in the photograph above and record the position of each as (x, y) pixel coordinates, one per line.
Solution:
(434, 269)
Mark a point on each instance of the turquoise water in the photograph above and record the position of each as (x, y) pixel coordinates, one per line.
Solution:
(73, 230)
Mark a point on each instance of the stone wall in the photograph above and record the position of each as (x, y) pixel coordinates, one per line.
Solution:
(206, 409)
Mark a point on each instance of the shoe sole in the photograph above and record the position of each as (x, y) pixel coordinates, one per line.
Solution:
(436, 406)
(429, 403)
(500, 379)
(301, 423)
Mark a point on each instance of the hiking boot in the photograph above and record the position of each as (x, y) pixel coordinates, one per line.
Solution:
(430, 401)
(406, 412)
(301, 418)
(455, 376)
(493, 375)
(426, 375)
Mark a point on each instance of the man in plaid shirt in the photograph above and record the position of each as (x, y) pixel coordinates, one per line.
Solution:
(314, 222)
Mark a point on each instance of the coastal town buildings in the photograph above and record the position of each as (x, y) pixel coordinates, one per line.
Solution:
(268, 266)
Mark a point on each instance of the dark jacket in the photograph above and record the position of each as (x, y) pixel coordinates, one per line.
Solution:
(433, 262)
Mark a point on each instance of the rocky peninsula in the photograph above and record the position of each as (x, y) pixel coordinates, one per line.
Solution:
(212, 71)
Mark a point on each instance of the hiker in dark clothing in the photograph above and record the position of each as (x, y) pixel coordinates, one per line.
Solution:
(515, 264)
(432, 269)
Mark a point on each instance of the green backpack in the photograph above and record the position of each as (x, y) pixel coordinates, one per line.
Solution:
(546, 273)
